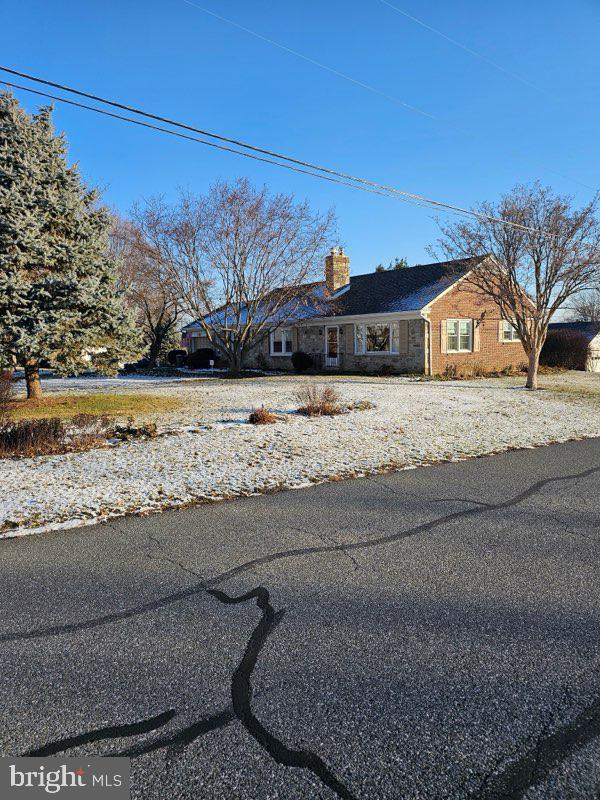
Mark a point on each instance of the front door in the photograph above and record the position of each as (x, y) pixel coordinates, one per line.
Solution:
(332, 347)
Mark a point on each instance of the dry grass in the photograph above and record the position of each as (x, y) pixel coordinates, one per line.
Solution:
(262, 416)
(95, 404)
(49, 436)
(318, 401)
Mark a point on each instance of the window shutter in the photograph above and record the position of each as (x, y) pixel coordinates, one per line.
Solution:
(500, 330)
(476, 337)
(443, 336)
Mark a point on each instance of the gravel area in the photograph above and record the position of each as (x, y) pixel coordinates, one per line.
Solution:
(207, 451)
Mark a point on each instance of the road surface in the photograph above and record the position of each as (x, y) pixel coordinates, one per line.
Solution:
(432, 633)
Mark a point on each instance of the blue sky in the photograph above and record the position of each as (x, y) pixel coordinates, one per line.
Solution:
(481, 132)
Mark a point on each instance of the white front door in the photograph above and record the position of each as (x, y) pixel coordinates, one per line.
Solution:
(332, 346)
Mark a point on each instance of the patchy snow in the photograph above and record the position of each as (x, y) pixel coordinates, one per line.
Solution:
(207, 451)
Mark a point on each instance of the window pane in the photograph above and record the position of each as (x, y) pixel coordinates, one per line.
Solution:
(378, 338)
(452, 334)
(465, 334)
(277, 347)
(395, 337)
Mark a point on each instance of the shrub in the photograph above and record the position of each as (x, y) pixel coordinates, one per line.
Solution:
(386, 370)
(33, 437)
(132, 431)
(302, 361)
(318, 401)
(47, 436)
(360, 405)
(174, 357)
(565, 349)
(262, 416)
(201, 358)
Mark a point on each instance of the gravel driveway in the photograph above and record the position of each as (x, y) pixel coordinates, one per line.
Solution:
(207, 451)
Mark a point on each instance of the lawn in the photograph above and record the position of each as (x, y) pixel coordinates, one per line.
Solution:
(119, 404)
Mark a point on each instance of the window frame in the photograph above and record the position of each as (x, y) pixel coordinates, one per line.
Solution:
(283, 336)
(509, 327)
(458, 334)
(363, 327)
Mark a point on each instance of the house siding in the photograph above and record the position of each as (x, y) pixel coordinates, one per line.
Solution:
(311, 339)
(465, 302)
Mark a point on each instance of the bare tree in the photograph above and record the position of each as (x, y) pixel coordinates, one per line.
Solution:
(586, 307)
(242, 260)
(533, 269)
(147, 286)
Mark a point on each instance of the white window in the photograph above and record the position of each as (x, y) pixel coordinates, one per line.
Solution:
(509, 332)
(376, 338)
(281, 342)
(459, 335)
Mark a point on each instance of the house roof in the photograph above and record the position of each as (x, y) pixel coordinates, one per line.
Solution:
(589, 329)
(406, 289)
(396, 290)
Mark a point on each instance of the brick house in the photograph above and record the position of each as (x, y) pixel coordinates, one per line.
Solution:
(421, 319)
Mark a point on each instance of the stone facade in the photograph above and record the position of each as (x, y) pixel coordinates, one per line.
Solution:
(311, 339)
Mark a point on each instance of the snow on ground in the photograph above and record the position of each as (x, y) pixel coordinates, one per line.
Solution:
(209, 452)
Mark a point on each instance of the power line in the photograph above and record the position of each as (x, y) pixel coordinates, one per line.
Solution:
(445, 123)
(462, 47)
(313, 61)
(203, 141)
(314, 168)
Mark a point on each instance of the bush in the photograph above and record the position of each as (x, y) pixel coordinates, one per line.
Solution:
(318, 401)
(386, 370)
(174, 357)
(565, 349)
(302, 361)
(33, 437)
(201, 358)
(262, 416)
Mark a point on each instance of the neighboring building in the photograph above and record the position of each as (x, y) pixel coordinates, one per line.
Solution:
(422, 319)
(591, 331)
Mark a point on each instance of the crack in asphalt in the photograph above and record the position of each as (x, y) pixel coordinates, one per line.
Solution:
(248, 566)
(99, 734)
(241, 694)
(533, 766)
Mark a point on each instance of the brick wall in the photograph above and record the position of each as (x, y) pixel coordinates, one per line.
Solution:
(465, 302)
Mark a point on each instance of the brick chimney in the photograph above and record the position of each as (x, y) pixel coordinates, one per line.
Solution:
(337, 269)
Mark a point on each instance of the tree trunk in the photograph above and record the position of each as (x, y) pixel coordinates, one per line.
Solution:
(32, 379)
(235, 363)
(532, 368)
(154, 351)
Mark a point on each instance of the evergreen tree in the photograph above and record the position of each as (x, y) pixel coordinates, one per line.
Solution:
(58, 299)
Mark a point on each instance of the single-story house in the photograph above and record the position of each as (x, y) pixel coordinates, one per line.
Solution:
(422, 319)
(591, 331)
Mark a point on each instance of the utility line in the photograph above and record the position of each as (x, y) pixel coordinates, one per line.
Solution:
(462, 47)
(314, 168)
(445, 123)
(312, 61)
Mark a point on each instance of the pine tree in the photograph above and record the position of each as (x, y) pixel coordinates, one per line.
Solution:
(59, 303)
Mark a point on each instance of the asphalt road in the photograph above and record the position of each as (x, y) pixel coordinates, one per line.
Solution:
(427, 634)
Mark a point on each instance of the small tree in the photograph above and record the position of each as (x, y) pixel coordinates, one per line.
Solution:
(242, 260)
(532, 269)
(397, 263)
(58, 298)
(148, 290)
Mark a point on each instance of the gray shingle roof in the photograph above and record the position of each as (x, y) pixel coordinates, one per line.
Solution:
(588, 329)
(407, 289)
